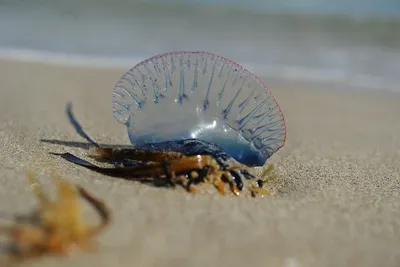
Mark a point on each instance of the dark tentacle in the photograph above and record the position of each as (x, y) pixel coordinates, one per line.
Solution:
(238, 179)
(247, 174)
(121, 154)
(114, 172)
(77, 126)
(130, 173)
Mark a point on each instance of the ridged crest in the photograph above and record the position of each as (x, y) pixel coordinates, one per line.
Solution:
(183, 95)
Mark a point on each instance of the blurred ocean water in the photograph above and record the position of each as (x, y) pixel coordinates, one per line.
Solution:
(356, 42)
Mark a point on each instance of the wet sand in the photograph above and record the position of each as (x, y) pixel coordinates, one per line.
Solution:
(339, 205)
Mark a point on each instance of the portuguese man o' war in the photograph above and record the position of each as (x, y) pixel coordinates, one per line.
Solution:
(192, 117)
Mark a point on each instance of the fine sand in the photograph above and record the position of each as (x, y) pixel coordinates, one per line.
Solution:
(339, 205)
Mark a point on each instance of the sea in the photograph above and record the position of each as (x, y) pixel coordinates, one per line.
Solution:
(355, 42)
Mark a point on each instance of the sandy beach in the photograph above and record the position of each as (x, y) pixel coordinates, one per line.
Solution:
(339, 205)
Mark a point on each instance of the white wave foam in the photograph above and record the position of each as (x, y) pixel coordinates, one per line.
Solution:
(291, 73)
(68, 59)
